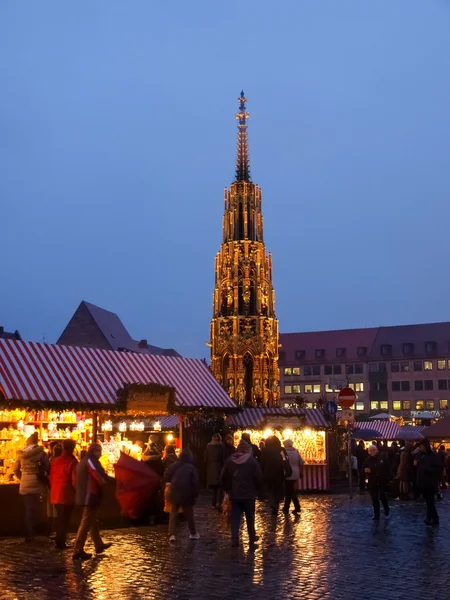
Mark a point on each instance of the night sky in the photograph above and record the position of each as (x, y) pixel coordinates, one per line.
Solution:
(117, 137)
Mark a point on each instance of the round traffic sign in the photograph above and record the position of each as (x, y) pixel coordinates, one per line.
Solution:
(347, 397)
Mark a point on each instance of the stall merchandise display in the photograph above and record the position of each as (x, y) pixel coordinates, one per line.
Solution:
(113, 448)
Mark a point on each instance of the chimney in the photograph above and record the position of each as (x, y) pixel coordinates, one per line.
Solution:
(2, 329)
(143, 344)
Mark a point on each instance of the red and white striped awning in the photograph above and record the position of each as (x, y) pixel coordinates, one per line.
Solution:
(389, 430)
(253, 418)
(46, 372)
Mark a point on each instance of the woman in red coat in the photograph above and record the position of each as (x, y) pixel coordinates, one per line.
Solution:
(62, 490)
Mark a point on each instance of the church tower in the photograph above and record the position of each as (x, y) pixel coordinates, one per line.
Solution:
(244, 328)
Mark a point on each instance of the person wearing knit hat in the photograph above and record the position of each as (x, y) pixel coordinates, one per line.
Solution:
(241, 479)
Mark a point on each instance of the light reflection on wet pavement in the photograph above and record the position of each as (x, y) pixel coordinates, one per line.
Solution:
(333, 551)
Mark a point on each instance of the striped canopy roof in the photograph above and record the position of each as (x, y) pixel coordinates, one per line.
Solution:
(253, 418)
(31, 371)
(389, 430)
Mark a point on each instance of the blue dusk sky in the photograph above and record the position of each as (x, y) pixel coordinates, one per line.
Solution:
(117, 137)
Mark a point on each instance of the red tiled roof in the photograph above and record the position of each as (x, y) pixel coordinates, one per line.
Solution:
(31, 371)
(254, 417)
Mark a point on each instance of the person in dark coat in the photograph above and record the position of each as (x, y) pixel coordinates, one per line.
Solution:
(169, 457)
(429, 471)
(361, 455)
(184, 490)
(273, 472)
(376, 468)
(214, 459)
(442, 454)
(255, 450)
(241, 478)
(228, 447)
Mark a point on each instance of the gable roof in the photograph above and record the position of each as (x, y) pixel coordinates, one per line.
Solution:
(31, 371)
(418, 335)
(114, 332)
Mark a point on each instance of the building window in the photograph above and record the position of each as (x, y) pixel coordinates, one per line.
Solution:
(405, 386)
(406, 404)
(373, 367)
(340, 352)
(299, 354)
(442, 384)
(288, 371)
(359, 369)
(295, 370)
(316, 388)
(328, 388)
(328, 369)
(357, 387)
(443, 404)
(316, 370)
(350, 369)
(418, 366)
(382, 368)
(396, 386)
(307, 371)
(288, 389)
(396, 405)
(362, 350)
(430, 347)
(395, 367)
(428, 384)
(419, 404)
(320, 353)
(404, 367)
(359, 406)
(430, 404)
(374, 405)
(337, 369)
(384, 405)
(378, 386)
(418, 386)
(427, 365)
(386, 349)
(308, 388)
(296, 389)
(441, 365)
(408, 348)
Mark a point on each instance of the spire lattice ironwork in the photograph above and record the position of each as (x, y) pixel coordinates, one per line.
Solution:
(242, 154)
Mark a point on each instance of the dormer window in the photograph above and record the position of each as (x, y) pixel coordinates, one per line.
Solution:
(320, 353)
(340, 352)
(299, 354)
(362, 350)
(408, 348)
(386, 349)
(430, 347)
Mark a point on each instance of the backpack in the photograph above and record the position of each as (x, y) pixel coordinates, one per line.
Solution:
(286, 467)
(43, 471)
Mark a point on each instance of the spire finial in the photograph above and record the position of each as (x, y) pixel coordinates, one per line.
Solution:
(242, 155)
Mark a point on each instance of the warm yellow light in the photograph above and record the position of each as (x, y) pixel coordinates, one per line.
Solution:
(307, 432)
(169, 438)
(287, 434)
(268, 433)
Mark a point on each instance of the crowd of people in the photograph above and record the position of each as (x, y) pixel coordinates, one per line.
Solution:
(237, 477)
(408, 471)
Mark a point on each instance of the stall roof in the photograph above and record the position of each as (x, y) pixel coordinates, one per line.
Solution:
(254, 417)
(440, 430)
(31, 371)
(389, 430)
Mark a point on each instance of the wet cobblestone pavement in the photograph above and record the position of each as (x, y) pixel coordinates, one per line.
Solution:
(333, 551)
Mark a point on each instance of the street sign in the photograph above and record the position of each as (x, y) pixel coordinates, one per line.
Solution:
(337, 382)
(347, 397)
(331, 407)
(348, 414)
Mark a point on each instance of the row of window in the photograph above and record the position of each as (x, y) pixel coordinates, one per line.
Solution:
(385, 350)
(316, 388)
(404, 405)
(405, 386)
(375, 367)
(314, 370)
(405, 367)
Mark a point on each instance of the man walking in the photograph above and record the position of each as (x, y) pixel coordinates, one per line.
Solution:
(62, 490)
(241, 479)
(90, 477)
(377, 470)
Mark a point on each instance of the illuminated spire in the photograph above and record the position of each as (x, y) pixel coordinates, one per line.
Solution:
(242, 155)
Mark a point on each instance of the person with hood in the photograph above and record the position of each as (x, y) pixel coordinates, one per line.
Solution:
(90, 478)
(32, 467)
(184, 490)
(296, 462)
(241, 478)
(255, 450)
(376, 468)
(272, 461)
(429, 469)
(169, 457)
(228, 447)
(214, 459)
(62, 490)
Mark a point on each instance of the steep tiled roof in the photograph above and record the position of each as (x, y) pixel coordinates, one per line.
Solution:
(418, 335)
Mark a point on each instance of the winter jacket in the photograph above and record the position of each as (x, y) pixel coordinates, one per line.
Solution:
(361, 455)
(241, 477)
(429, 471)
(169, 460)
(90, 477)
(183, 478)
(228, 450)
(214, 460)
(272, 466)
(379, 471)
(27, 467)
(404, 470)
(296, 461)
(63, 479)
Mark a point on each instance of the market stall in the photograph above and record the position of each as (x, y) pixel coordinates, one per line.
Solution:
(439, 433)
(64, 391)
(389, 430)
(307, 428)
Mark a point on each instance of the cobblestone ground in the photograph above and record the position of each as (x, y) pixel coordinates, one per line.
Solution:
(332, 551)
